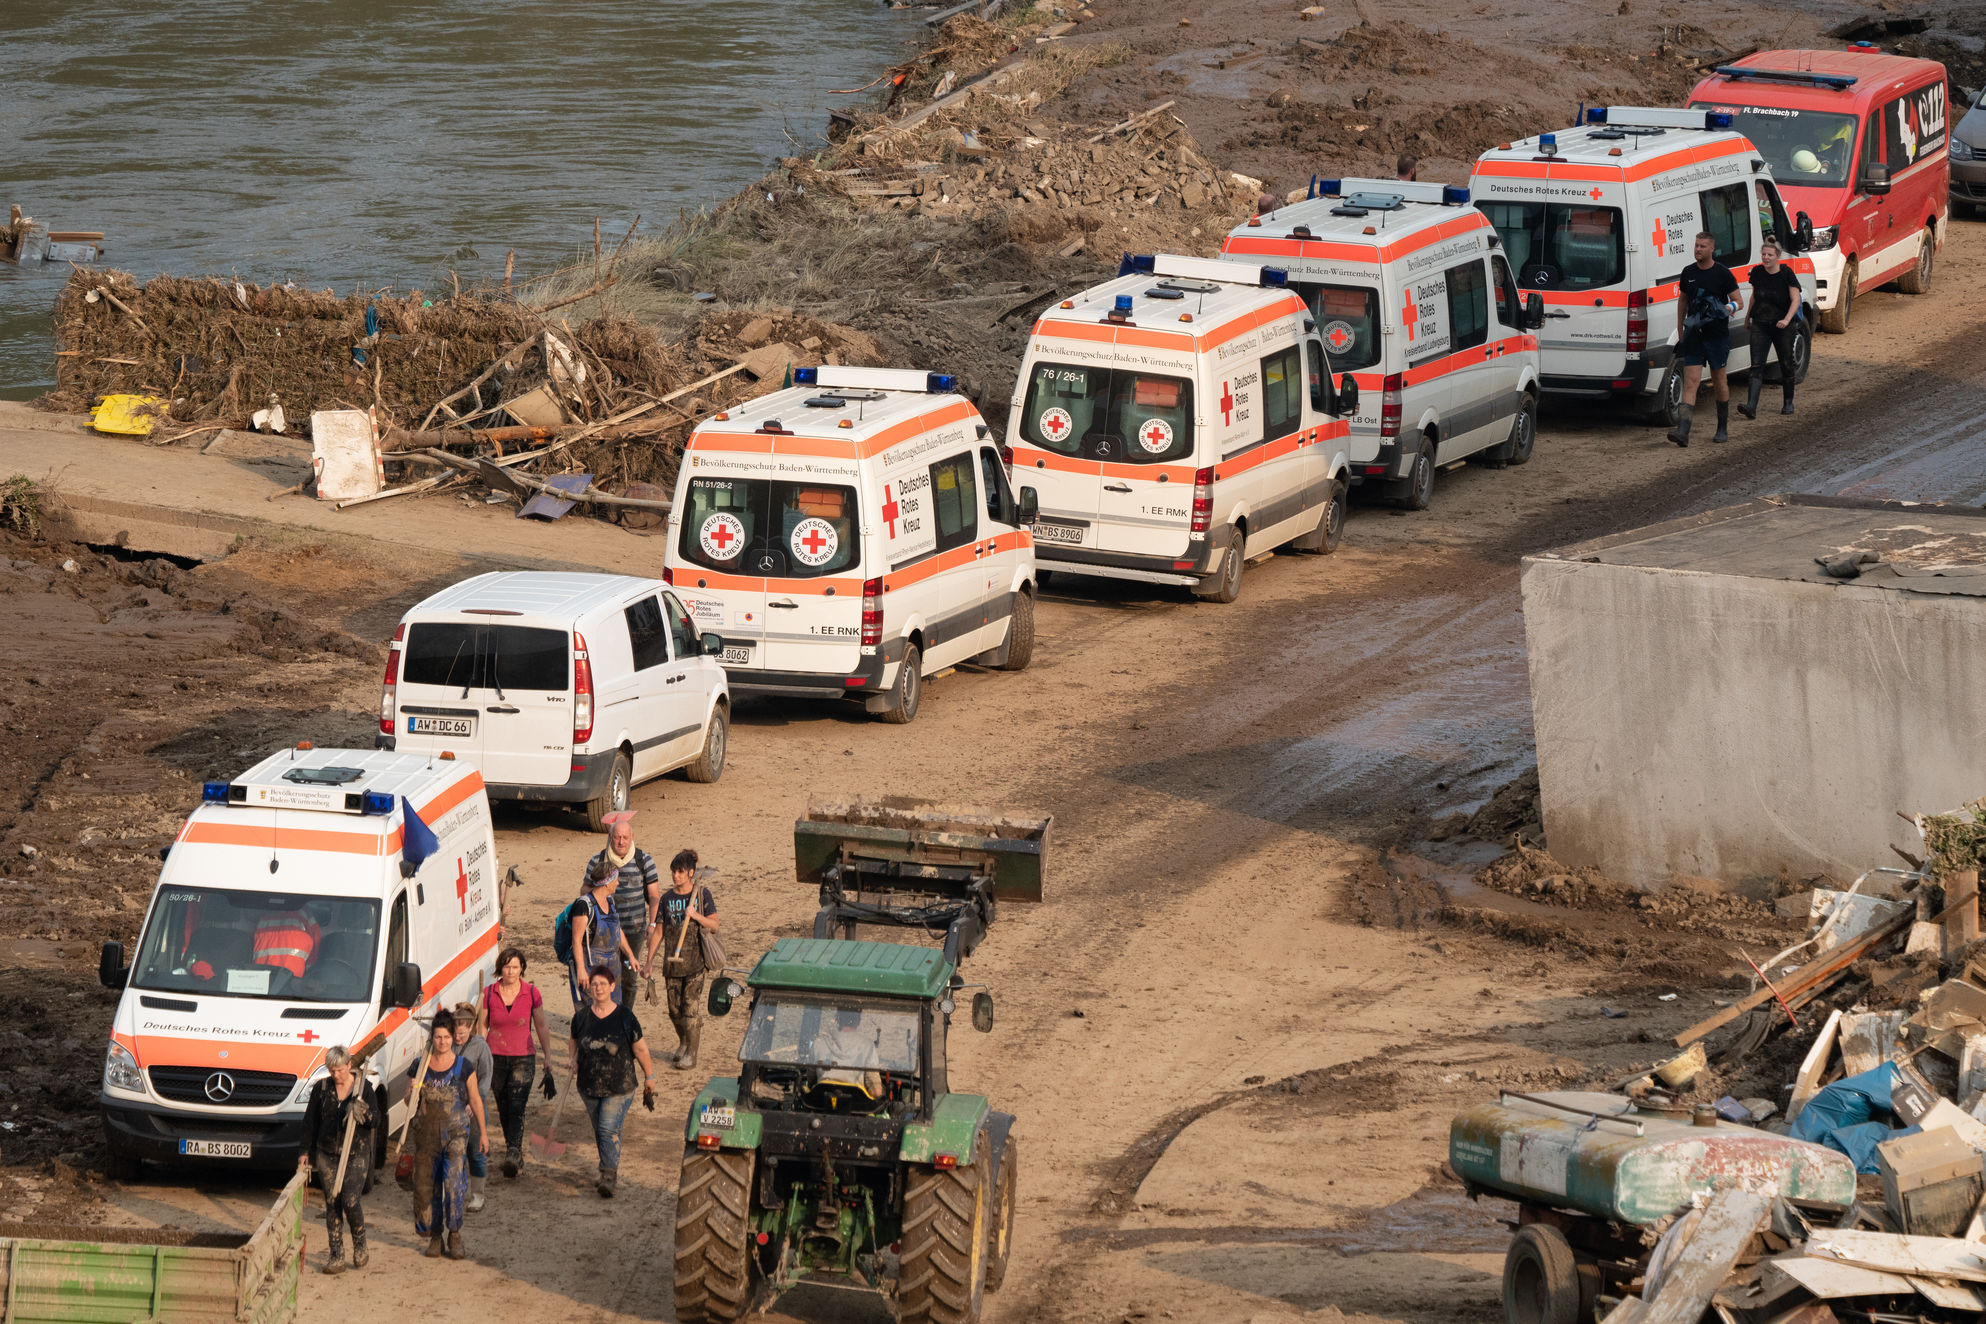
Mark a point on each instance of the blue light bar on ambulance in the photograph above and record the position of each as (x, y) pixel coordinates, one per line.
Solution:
(1328, 188)
(1455, 195)
(806, 376)
(1275, 277)
(1214, 269)
(849, 378)
(1136, 264)
(1596, 114)
(938, 383)
(1548, 144)
(1123, 303)
(214, 793)
(1658, 117)
(376, 802)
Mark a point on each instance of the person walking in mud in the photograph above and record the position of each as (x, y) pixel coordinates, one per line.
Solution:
(339, 1125)
(446, 1104)
(596, 931)
(1775, 313)
(607, 1050)
(683, 905)
(637, 890)
(1709, 300)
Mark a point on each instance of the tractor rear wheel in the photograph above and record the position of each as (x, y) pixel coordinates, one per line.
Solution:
(713, 1208)
(941, 1277)
(1002, 1231)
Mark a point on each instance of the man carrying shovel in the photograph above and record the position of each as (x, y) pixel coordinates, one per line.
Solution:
(686, 911)
(338, 1132)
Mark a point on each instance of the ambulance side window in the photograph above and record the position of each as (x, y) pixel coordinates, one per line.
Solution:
(1282, 393)
(396, 947)
(999, 502)
(957, 502)
(647, 635)
(1727, 215)
(1509, 308)
(1320, 375)
(1468, 305)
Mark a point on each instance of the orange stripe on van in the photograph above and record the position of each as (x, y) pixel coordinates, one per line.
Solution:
(756, 584)
(1047, 459)
(274, 838)
(1466, 358)
(1242, 325)
(1352, 250)
(832, 448)
(1109, 333)
(438, 806)
(953, 557)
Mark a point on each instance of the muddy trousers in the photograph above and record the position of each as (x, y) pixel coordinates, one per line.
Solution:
(608, 1116)
(686, 1007)
(1778, 340)
(342, 1208)
(441, 1187)
(510, 1082)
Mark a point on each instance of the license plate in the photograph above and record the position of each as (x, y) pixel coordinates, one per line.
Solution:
(215, 1148)
(738, 653)
(441, 726)
(1069, 533)
(718, 1119)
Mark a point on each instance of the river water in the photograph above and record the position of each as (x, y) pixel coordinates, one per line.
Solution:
(346, 142)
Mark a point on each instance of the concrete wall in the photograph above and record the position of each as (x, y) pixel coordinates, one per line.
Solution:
(1732, 728)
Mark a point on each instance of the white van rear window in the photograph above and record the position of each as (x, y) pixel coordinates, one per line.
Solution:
(777, 528)
(1347, 319)
(1118, 415)
(290, 946)
(1559, 246)
(472, 656)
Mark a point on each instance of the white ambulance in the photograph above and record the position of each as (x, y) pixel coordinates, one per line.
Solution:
(850, 536)
(1413, 295)
(298, 909)
(1178, 420)
(1601, 219)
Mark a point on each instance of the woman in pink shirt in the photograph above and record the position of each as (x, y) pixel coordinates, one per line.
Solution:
(512, 1009)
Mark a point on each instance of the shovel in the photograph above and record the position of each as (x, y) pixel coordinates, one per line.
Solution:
(548, 1146)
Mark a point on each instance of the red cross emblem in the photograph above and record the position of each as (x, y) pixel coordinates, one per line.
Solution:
(462, 886)
(890, 509)
(1661, 236)
(1407, 314)
(1056, 423)
(1594, 193)
(813, 542)
(721, 535)
(1339, 336)
(1227, 406)
(309, 1036)
(1157, 436)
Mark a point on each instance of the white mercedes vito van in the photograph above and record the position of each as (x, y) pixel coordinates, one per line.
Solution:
(561, 687)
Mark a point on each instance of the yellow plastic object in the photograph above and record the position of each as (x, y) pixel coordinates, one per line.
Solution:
(129, 415)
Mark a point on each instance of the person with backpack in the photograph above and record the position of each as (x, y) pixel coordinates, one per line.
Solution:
(593, 930)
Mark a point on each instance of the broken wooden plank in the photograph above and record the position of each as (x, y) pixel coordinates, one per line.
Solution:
(1804, 980)
(1806, 1083)
(1916, 1257)
(1699, 1267)
(1830, 1280)
(945, 14)
(1138, 118)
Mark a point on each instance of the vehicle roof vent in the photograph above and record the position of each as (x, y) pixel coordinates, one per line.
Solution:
(1185, 286)
(1377, 201)
(1348, 210)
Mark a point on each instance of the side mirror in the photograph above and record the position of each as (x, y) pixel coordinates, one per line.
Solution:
(165, 851)
(110, 966)
(1534, 311)
(1875, 180)
(1803, 233)
(982, 1012)
(719, 1002)
(1347, 396)
(1030, 505)
(712, 645)
(406, 984)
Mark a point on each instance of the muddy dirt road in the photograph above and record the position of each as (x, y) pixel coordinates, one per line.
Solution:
(1233, 1034)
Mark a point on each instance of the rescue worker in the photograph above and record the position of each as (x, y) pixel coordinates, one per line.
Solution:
(286, 940)
(1774, 311)
(1708, 302)
(682, 953)
(340, 1101)
(637, 891)
(1408, 168)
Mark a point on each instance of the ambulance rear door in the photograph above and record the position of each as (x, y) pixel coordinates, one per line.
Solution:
(718, 525)
(1055, 415)
(1568, 240)
(1146, 417)
(810, 552)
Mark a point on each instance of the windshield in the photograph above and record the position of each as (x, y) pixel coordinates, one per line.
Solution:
(281, 945)
(1805, 148)
(1348, 319)
(464, 655)
(763, 526)
(1115, 414)
(860, 1034)
(1560, 246)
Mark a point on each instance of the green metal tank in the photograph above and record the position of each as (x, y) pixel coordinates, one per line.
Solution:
(1601, 1155)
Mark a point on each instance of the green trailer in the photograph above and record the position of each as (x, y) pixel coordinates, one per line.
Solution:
(56, 1275)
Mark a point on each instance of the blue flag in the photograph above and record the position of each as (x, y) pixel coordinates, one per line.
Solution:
(417, 840)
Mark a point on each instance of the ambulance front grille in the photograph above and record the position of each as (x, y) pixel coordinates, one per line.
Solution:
(219, 1087)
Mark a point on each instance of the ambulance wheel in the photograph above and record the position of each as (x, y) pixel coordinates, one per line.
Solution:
(1834, 320)
(1918, 279)
(1540, 1278)
(613, 797)
(909, 688)
(1226, 586)
(1668, 408)
(1523, 434)
(1417, 489)
(709, 765)
(1333, 526)
(1020, 633)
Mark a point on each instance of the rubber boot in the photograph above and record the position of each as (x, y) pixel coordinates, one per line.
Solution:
(455, 1251)
(360, 1256)
(513, 1163)
(476, 1200)
(1680, 432)
(1787, 407)
(1723, 421)
(608, 1178)
(1752, 388)
(334, 1244)
(433, 1251)
(686, 1056)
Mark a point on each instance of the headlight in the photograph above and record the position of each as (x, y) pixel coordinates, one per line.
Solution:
(1824, 238)
(1963, 151)
(120, 1070)
(306, 1085)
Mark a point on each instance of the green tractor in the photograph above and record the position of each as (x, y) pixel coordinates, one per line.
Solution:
(839, 1153)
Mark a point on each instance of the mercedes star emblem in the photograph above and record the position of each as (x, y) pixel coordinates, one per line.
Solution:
(220, 1087)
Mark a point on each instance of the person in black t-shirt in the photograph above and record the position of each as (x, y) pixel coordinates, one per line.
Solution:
(1774, 318)
(606, 1048)
(1708, 302)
